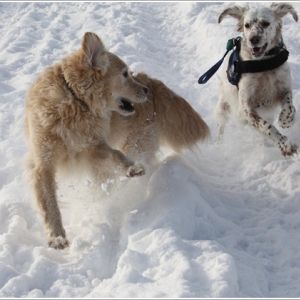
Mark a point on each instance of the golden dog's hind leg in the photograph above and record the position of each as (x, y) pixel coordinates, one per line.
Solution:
(45, 191)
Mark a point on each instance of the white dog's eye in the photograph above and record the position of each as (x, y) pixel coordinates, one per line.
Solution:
(247, 25)
(265, 23)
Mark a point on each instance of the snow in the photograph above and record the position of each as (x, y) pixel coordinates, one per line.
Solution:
(221, 221)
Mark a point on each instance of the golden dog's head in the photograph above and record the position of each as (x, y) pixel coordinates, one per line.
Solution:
(96, 75)
(124, 89)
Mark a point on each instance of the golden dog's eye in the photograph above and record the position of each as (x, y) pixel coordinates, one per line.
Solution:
(125, 74)
(265, 23)
(247, 25)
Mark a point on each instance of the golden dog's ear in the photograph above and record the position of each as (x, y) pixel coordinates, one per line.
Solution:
(281, 9)
(95, 55)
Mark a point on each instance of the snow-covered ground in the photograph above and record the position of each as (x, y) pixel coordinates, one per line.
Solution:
(222, 221)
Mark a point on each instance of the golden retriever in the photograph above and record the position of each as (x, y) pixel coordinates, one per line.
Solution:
(68, 111)
(80, 111)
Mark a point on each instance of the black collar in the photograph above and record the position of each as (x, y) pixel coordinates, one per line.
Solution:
(275, 50)
(275, 57)
(83, 104)
(279, 55)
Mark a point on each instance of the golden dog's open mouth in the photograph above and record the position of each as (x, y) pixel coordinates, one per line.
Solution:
(126, 105)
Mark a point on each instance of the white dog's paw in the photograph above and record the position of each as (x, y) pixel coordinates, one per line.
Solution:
(58, 242)
(135, 170)
(288, 149)
(287, 116)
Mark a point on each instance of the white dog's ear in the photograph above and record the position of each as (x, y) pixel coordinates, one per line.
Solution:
(235, 11)
(94, 52)
(281, 9)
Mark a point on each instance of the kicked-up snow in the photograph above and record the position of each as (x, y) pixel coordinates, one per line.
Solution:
(220, 221)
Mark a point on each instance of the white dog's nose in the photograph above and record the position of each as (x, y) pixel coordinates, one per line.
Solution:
(255, 40)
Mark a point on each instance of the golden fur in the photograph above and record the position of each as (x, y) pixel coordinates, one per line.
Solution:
(164, 119)
(68, 111)
(80, 108)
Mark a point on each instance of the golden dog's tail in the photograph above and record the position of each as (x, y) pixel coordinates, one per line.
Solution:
(180, 125)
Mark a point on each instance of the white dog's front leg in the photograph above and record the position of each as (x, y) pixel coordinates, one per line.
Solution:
(286, 147)
(287, 115)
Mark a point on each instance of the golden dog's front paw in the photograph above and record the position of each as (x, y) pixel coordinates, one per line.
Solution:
(135, 170)
(58, 242)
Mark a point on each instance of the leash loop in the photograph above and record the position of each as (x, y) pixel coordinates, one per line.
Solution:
(207, 75)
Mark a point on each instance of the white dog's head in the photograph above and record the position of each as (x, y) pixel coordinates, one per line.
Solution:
(261, 27)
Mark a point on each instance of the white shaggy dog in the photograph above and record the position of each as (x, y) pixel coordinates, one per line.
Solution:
(259, 91)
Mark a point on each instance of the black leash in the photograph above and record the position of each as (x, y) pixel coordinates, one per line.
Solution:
(206, 76)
